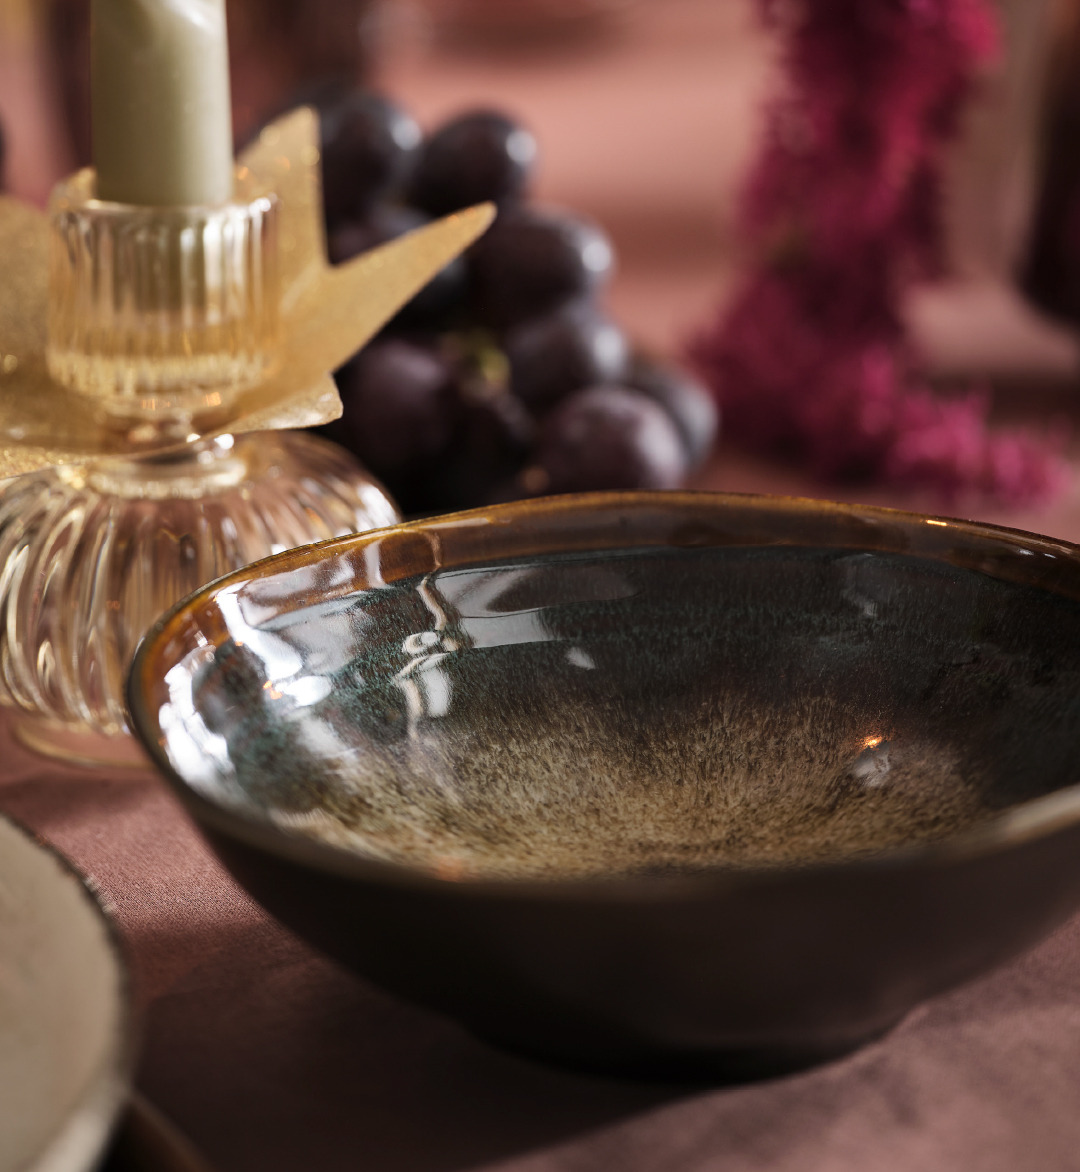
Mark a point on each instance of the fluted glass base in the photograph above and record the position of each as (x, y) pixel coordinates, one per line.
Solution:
(90, 557)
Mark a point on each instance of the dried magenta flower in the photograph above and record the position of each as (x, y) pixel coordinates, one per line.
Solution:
(811, 361)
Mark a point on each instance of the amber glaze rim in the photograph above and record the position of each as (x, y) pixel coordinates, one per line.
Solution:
(1012, 555)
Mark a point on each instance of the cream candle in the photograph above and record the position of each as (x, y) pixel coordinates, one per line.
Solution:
(160, 102)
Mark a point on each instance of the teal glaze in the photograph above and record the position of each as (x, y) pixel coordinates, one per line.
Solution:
(643, 711)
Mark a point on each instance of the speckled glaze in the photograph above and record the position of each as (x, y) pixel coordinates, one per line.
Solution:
(655, 783)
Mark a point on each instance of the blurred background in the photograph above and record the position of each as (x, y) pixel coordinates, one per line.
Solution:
(645, 110)
(649, 115)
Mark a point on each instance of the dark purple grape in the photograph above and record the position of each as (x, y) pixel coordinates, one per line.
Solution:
(530, 262)
(685, 399)
(349, 238)
(481, 155)
(493, 438)
(432, 306)
(551, 357)
(368, 145)
(399, 409)
(608, 438)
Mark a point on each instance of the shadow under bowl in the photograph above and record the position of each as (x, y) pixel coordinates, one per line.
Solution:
(661, 784)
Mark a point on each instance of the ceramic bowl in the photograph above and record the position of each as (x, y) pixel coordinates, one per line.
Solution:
(653, 783)
(65, 1047)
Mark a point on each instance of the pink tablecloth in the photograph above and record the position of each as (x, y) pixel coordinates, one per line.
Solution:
(270, 1057)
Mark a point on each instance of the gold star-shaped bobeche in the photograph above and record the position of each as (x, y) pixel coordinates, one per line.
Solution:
(327, 314)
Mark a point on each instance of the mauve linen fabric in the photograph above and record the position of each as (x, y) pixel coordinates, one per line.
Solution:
(270, 1057)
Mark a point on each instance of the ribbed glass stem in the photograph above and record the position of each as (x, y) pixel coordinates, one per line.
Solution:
(161, 309)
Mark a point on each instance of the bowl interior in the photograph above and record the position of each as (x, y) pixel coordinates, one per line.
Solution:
(645, 707)
(63, 1013)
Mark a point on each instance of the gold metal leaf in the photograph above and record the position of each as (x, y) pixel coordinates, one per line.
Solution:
(328, 313)
(285, 159)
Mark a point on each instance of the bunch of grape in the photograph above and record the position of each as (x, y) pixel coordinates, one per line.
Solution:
(503, 378)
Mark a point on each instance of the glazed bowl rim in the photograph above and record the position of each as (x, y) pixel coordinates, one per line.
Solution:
(1027, 821)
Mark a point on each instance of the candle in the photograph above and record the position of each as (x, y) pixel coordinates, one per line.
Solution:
(160, 102)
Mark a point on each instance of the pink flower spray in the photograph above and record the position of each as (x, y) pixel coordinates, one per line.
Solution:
(811, 361)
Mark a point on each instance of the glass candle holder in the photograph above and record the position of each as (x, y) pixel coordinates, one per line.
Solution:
(92, 555)
(161, 316)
